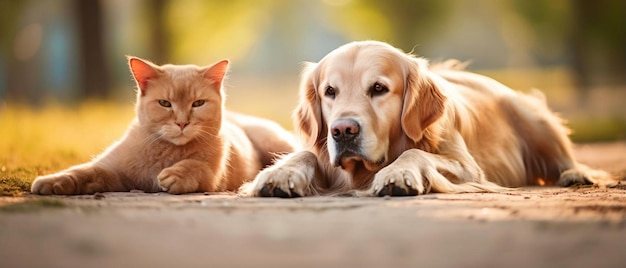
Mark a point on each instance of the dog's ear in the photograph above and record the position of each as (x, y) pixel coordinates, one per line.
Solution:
(423, 101)
(308, 114)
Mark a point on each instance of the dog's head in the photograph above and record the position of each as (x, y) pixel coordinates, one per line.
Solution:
(362, 97)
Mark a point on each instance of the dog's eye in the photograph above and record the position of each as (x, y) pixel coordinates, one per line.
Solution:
(378, 89)
(330, 92)
(165, 103)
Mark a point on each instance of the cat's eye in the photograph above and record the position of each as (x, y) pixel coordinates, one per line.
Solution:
(198, 103)
(165, 103)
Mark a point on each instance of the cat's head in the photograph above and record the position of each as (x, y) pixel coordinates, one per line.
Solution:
(179, 103)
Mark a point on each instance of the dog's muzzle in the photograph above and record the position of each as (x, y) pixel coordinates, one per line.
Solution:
(346, 137)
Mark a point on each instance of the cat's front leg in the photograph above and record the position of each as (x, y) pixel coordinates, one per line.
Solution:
(187, 176)
(83, 179)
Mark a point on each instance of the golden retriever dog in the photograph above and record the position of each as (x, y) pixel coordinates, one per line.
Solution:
(378, 121)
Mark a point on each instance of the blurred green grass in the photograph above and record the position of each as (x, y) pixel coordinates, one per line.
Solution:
(41, 140)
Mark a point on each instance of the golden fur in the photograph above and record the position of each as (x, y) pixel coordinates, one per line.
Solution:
(180, 142)
(382, 122)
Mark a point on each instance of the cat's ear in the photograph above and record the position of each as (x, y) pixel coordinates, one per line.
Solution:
(216, 73)
(143, 71)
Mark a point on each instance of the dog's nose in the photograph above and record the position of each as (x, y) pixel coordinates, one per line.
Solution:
(344, 129)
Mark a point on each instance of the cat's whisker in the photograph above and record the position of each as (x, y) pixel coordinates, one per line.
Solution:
(206, 129)
(203, 138)
(152, 139)
(205, 135)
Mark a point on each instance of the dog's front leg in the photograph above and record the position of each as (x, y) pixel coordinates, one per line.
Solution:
(418, 172)
(403, 177)
(292, 176)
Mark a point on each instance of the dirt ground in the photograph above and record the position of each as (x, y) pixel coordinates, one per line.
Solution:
(534, 227)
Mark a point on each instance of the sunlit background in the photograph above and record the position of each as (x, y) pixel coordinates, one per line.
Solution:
(69, 50)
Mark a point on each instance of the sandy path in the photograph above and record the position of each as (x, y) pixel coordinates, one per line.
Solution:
(549, 227)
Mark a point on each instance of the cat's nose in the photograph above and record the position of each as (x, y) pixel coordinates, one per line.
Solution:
(182, 125)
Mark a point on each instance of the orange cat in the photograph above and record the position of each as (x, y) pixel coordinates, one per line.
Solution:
(182, 141)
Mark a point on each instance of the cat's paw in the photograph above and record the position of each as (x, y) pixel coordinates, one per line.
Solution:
(59, 184)
(174, 181)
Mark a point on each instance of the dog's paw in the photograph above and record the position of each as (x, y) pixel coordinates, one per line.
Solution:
(174, 181)
(573, 177)
(281, 181)
(583, 175)
(399, 182)
(58, 184)
(292, 176)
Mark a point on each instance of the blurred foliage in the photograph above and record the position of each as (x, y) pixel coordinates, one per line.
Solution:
(203, 31)
(598, 129)
(590, 35)
(405, 23)
(46, 55)
(87, 39)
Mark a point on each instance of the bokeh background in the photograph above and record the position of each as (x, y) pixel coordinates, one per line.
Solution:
(66, 92)
(64, 60)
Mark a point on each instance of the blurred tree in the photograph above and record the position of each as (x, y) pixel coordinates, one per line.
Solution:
(95, 81)
(9, 14)
(159, 32)
(598, 42)
(591, 35)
